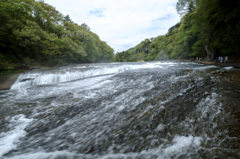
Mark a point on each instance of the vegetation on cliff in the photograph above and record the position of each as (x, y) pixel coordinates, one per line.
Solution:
(208, 29)
(33, 33)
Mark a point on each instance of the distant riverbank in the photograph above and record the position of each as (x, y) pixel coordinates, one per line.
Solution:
(232, 63)
(221, 64)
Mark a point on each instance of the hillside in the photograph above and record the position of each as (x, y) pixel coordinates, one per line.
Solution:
(208, 29)
(33, 34)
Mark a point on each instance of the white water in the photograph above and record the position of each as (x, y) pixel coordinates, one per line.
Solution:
(76, 73)
(10, 139)
(179, 145)
(114, 111)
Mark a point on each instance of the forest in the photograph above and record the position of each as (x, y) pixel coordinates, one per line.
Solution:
(33, 34)
(208, 29)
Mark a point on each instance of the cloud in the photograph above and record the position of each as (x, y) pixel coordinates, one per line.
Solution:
(121, 23)
(97, 12)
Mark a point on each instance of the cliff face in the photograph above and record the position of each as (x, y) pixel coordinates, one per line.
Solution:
(6, 81)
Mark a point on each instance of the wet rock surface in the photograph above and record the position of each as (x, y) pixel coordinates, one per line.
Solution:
(6, 81)
(147, 110)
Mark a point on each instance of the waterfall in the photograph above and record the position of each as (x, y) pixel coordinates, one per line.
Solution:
(122, 110)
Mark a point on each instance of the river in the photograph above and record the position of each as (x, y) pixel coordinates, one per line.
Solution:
(156, 110)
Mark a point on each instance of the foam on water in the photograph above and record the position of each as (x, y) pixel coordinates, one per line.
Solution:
(178, 146)
(206, 67)
(182, 144)
(152, 110)
(36, 78)
(9, 140)
(228, 68)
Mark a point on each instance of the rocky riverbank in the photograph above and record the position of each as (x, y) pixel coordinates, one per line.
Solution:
(6, 81)
(235, 65)
(232, 63)
(221, 64)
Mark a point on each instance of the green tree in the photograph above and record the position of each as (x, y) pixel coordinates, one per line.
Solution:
(68, 19)
(85, 26)
(185, 6)
(28, 39)
(36, 31)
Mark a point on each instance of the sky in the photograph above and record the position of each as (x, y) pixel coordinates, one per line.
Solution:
(122, 24)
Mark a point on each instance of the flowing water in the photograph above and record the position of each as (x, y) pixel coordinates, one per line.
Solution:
(150, 110)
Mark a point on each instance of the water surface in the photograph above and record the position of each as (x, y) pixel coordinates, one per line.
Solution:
(156, 110)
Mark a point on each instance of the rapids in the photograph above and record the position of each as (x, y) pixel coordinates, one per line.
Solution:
(157, 110)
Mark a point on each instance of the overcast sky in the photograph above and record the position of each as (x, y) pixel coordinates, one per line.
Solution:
(121, 23)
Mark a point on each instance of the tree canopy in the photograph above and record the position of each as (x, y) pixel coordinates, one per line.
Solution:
(208, 29)
(35, 32)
